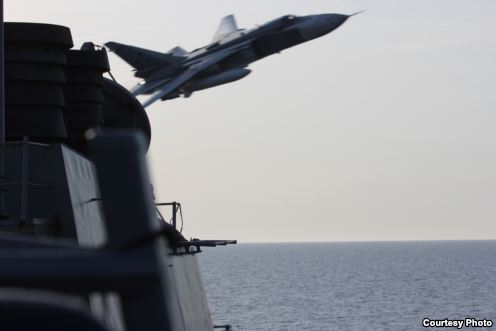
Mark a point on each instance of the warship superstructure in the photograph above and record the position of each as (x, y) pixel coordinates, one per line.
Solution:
(83, 245)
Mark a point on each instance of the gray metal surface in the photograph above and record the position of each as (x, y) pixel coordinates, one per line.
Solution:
(85, 198)
(146, 287)
(90, 227)
(191, 296)
(177, 300)
(46, 191)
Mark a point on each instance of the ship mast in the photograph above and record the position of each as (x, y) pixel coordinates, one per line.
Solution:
(3, 211)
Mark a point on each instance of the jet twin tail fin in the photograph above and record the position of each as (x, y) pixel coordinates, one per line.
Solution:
(227, 26)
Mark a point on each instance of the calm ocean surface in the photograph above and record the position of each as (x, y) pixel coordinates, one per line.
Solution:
(349, 286)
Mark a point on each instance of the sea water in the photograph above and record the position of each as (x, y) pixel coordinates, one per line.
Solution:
(351, 286)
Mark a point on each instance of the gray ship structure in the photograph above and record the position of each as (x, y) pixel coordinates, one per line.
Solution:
(83, 244)
(179, 73)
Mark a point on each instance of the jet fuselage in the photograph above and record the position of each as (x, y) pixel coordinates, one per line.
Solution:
(225, 59)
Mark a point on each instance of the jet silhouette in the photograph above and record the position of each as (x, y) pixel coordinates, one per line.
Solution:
(180, 73)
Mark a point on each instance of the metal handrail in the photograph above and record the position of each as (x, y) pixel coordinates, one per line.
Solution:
(176, 206)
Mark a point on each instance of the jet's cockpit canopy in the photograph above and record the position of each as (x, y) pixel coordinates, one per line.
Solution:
(288, 20)
(280, 23)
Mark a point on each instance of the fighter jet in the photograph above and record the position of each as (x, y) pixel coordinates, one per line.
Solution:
(180, 73)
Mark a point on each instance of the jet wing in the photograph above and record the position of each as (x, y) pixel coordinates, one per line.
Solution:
(141, 58)
(188, 74)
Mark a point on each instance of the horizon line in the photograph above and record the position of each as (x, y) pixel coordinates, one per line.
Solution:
(359, 241)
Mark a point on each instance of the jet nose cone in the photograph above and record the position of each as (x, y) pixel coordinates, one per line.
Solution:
(319, 25)
(333, 21)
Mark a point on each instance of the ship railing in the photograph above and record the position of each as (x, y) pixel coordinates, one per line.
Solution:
(176, 207)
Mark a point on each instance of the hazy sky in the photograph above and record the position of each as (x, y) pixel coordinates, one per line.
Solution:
(382, 130)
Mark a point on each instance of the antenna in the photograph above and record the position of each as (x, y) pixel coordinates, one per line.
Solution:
(358, 12)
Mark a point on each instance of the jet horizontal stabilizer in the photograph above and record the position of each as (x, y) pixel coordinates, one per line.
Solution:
(140, 58)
